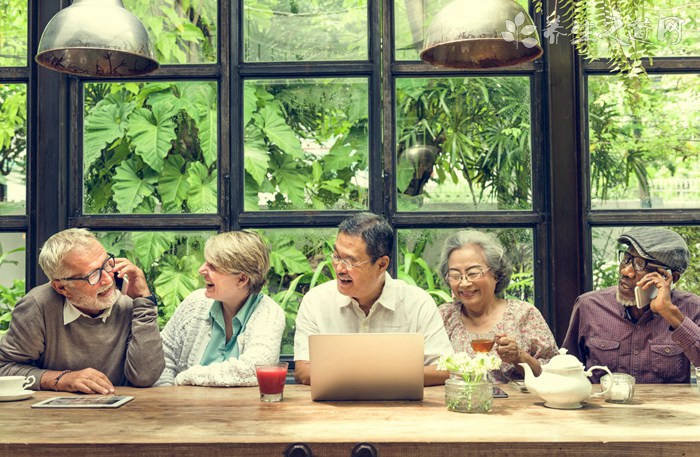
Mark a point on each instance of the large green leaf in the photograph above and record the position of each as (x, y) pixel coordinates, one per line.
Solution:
(150, 246)
(151, 134)
(256, 156)
(290, 179)
(271, 122)
(129, 189)
(176, 279)
(289, 260)
(207, 136)
(104, 124)
(173, 184)
(250, 102)
(201, 198)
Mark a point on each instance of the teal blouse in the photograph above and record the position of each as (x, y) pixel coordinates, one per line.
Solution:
(218, 350)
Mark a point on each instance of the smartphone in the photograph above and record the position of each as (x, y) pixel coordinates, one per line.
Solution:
(644, 297)
(499, 393)
(121, 283)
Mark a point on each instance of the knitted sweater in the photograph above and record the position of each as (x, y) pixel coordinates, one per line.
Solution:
(187, 334)
(126, 347)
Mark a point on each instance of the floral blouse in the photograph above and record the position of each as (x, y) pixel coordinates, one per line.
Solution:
(521, 321)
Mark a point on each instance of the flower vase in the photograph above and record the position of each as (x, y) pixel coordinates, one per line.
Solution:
(468, 397)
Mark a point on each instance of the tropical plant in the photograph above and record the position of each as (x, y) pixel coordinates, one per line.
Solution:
(9, 294)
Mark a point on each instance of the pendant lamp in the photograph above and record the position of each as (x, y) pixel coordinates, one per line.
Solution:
(96, 38)
(475, 34)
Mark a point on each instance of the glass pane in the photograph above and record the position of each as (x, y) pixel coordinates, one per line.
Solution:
(13, 149)
(463, 144)
(304, 30)
(412, 19)
(306, 144)
(170, 261)
(419, 259)
(666, 27)
(150, 148)
(606, 270)
(13, 33)
(299, 260)
(645, 153)
(181, 31)
(12, 274)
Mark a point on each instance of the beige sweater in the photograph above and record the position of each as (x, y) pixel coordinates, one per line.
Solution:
(127, 347)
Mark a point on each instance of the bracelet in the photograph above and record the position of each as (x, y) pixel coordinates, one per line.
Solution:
(58, 378)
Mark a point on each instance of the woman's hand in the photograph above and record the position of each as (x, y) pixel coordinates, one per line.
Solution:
(507, 349)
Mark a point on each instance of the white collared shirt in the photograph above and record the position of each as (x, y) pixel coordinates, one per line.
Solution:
(401, 308)
(71, 313)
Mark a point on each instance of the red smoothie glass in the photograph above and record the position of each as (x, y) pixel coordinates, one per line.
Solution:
(271, 379)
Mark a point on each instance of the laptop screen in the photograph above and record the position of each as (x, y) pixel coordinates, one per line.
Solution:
(366, 366)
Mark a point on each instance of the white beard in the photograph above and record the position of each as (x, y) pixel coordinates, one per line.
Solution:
(96, 304)
(623, 301)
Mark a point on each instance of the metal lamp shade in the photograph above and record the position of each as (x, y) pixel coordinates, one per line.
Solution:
(96, 38)
(474, 34)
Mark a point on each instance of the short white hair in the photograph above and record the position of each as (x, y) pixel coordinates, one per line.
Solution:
(54, 251)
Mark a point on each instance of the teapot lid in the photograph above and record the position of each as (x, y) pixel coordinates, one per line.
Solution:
(564, 361)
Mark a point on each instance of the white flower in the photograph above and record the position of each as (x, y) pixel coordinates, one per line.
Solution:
(472, 369)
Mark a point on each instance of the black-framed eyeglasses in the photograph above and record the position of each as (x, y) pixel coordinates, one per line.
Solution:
(94, 276)
(638, 263)
(346, 263)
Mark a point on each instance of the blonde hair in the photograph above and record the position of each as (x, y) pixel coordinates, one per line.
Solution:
(58, 246)
(240, 252)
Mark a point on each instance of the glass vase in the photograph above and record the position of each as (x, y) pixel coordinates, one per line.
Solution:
(468, 397)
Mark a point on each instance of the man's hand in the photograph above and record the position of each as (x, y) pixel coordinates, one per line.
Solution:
(662, 304)
(88, 381)
(137, 286)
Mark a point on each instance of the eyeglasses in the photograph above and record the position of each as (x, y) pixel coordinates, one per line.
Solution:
(348, 266)
(638, 263)
(94, 276)
(455, 278)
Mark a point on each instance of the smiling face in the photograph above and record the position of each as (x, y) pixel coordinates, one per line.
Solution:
(221, 286)
(90, 299)
(478, 294)
(365, 282)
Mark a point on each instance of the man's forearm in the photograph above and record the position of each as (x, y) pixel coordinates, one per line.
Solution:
(434, 377)
(302, 372)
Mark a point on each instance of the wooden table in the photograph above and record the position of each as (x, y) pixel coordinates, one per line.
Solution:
(197, 421)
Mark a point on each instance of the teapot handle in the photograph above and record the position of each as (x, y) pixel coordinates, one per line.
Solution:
(590, 372)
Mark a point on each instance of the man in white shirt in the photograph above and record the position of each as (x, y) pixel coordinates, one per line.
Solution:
(365, 299)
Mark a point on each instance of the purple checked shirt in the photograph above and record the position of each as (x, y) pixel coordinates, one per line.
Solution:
(600, 333)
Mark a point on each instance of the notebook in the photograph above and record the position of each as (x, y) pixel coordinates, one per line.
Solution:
(366, 366)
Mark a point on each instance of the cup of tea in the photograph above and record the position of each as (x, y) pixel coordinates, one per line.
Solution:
(622, 390)
(13, 385)
(271, 379)
(482, 342)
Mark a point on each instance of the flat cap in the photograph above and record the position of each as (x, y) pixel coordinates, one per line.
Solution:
(659, 244)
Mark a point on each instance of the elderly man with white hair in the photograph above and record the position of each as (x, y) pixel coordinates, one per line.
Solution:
(78, 333)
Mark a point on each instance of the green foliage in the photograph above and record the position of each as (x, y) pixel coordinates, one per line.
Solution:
(9, 294)
(13, 140)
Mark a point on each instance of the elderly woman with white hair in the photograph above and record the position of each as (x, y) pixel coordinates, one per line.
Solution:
(218, 334)
(475, 267)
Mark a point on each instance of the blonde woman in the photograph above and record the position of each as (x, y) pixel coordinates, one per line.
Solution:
(218, 334)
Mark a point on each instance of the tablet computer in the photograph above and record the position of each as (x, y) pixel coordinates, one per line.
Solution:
(92, 401)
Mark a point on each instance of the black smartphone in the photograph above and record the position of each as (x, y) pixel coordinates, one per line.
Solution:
(499, 393)
(118, 282)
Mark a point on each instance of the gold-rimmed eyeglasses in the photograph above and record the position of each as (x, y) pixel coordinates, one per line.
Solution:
(346, 263)
(455, 278)
(94, 276)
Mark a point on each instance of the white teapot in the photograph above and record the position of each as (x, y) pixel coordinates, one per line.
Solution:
(563, 383)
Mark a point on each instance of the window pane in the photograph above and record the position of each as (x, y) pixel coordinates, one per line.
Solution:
(170, 261)
(419, 259)
(306, 144)
(150, 148)
(12, 274)
(299, 260)
(181, 31)
(645, 153)
(412, 19)
(13, 149)
(13, 33)
(606, 270)
(304, 30)
(668, 27)
(463, 144)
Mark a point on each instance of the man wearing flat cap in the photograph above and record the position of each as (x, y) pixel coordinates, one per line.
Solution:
(655, 343)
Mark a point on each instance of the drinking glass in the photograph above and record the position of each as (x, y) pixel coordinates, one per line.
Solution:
(271, 379)
(482, 342)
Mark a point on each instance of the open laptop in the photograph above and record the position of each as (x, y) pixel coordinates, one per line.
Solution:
(366, 366)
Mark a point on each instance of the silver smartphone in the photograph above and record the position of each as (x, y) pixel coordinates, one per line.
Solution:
(644, 297)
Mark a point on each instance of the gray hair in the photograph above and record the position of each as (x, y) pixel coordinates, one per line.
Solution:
(374, 230)
(493, 251)
(58, 246)
(240, 252)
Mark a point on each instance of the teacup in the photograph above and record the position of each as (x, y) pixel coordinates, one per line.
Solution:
(12, 385)
(622, 389)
